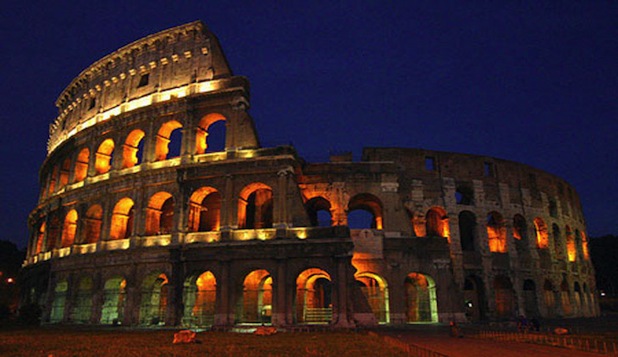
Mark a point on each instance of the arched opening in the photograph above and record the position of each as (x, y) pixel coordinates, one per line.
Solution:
(577, 296)
(69, 228)
(53, 234)
(467, 231)
(371, 205)
(52, 180)
(82, 301)
(520, 234)
(505, 301)
(314, 300)
(153, 304)
(436, 223)
(60, 297)
(169, 140)
(210, 135)
(565, 298)
(65, 170)
(40, 238)
(200, 295)
(474, 298)
(122, 220)
(540, 229)
(587, 300)
(585, 246)
(530, 303)
(130, 152)
(255, 207)
(92, 224)
(204, 210)
(464, 194)
(160, 214)
(81, 165)
(418, 223)
(375, 290)
(318, 208)
(103, 156)
(557, 240)
(114, 295)
(548, 296)
(421, 301)
(256, 303)
(496, 233)
(571, 246)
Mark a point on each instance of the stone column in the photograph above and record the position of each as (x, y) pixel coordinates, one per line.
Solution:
(280, 306)
(224, 314)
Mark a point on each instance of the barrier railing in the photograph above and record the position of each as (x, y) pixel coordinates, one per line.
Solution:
(587, 344)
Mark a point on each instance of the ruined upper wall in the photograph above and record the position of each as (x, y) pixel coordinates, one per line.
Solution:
(467, 168)
(172, 63)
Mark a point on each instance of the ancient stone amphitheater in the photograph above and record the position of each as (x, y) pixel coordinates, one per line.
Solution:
(159, 206)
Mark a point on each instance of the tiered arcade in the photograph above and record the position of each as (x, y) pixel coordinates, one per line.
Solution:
(159, 206)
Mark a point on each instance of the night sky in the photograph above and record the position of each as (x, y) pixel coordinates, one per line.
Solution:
(534, 82)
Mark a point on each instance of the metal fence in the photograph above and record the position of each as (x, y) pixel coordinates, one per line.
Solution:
(586, 344)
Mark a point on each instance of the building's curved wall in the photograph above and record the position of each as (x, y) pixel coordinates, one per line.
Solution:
(142, 220)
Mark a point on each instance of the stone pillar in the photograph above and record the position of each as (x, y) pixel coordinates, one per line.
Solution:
(280, 213)
(224, 314)
(280, 306)
(98, 286)
(341, 317)
(229, 209)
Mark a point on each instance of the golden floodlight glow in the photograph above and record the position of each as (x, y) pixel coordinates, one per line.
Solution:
(134, 104)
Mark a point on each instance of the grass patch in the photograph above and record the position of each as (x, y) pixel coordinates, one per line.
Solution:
(68, 341)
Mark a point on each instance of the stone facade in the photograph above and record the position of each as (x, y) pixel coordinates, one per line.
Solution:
(143, 219)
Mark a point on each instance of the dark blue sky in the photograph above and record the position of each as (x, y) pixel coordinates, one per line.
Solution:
(534, 82)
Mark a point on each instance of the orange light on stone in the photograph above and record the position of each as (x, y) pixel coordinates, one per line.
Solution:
(104, 156)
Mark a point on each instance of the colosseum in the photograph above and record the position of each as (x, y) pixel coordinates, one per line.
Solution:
(158, 206)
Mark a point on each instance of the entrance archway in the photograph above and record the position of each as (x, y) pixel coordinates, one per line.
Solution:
(314, 297)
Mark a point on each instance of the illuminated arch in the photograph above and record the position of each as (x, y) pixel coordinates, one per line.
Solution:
(201, 135)
(255, 206)
(370, 204)
(542, 236)
(153, 304)
(65, 171)
(565, 298)
(103, 156)
(40, 238)
(585, 251)
(421, 301)
(131, 148)
(114, 296)
(160, 214)
(314, 299)
(496, 233)
(52, 180)
(81, 165)
(436, 223)
(375, 289)
(256, 305)
(200, 295)
(69, 228)
(204, 210)
(92, 224)
(59, 301)
(122, 219)
(319, 211)
(163, 139)
(570, 244)
(53, 232)
(81, 306)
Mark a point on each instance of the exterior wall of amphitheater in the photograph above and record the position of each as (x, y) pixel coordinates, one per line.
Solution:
(144, 220)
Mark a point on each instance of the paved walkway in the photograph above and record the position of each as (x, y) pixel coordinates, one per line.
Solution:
(436, 338)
